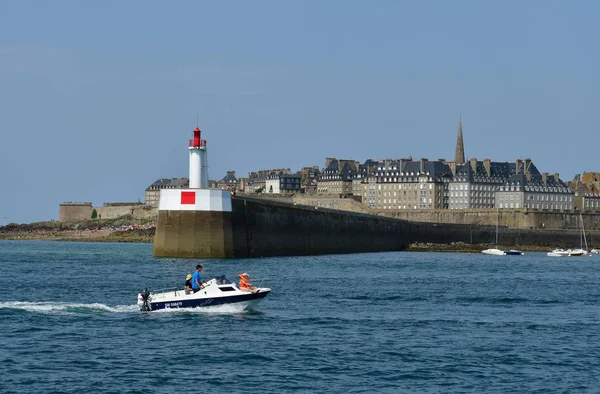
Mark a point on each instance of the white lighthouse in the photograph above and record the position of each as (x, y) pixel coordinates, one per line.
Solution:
(198, 162)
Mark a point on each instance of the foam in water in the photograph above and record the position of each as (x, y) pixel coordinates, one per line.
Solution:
(65, 307)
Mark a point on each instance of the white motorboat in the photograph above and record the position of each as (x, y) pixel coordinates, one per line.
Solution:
(500, 252)
(558, 253)
(595, 251)
(214, 292)
(493, 252)
(567, 253)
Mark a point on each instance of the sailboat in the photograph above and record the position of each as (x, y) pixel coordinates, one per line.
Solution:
(500, 252)
(573, 252)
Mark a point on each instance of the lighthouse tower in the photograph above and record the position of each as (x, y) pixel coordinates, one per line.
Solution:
(198, 162)
(195, 222)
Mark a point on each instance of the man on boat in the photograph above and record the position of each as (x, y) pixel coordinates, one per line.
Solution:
(245, 283)
(196, 280)
(188, 284)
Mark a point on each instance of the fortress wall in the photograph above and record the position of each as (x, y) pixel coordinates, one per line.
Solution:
(75, 212)
(137, 211)
(517, 218)
(514, 218)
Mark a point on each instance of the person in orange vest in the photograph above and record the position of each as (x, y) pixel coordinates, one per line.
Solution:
(245, 283)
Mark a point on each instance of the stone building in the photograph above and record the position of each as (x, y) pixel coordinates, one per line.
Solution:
(407, 184)
(308, 179)
(257, 180)
(278, 183)
(229, 181)
(152, 195)
(586, 189)
(527, 188)
(474, 184)
(336, 178)
(365, 170)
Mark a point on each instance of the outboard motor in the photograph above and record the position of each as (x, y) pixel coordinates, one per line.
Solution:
(145, 295)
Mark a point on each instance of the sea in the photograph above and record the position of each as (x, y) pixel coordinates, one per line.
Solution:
(396, 322)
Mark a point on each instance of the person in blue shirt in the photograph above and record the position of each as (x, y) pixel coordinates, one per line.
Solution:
(196, 280)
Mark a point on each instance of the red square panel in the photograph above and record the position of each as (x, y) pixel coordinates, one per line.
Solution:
(188, 198)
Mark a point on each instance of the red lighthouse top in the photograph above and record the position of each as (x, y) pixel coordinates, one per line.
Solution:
(196, 142)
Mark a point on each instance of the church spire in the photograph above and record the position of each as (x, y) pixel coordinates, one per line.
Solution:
(459, 156)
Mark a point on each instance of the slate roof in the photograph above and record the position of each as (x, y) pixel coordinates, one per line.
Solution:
(163, 183)
(229, 178)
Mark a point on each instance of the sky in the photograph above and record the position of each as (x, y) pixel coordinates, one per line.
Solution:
(99, 99)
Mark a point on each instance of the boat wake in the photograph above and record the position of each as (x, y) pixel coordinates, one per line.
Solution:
(78, 308)
(65, 307)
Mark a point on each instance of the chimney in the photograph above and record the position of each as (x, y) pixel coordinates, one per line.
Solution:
(545, 178)
(526, 169)
(328, 161)
(423, 166)
(519, 166)
(403, 164)
(452, 166)
(474, 165)
(486, 165)
(556, 178)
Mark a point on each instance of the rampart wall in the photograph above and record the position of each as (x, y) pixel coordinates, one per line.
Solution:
(257, 228)
(76, 212)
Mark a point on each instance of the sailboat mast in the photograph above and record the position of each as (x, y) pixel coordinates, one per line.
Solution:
(583, 232)
(497, 225)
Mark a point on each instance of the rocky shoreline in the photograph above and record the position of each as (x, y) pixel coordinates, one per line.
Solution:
(122, 230)
(461, 247)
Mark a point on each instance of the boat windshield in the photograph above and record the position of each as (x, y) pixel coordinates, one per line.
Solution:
(222, 280)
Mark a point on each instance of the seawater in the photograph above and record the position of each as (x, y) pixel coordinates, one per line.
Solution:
(360, 323)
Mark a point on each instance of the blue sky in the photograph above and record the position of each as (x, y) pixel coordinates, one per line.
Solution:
(99, 99)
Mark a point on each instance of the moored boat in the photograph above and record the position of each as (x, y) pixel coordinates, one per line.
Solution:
(500, 252)
(566, 253)
(215, 292)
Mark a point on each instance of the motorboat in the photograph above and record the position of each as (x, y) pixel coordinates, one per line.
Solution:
(576, 252)
(215, 292)
(567, 253)
(500, 252)
(558, 253)
(595, 251)
(493, 252)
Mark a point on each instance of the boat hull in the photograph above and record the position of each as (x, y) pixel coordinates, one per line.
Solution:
(246, 300)
(500, 252)
(513, 252)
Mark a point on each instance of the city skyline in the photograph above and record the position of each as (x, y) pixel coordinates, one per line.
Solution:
(100, 100)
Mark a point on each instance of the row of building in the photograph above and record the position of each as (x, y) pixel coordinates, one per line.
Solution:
(397, 184)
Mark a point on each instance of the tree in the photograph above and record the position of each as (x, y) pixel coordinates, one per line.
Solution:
(94, 214)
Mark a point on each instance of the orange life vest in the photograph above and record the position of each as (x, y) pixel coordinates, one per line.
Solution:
(244, 284)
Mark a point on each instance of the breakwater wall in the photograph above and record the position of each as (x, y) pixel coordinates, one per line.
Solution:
(259, 228)
(514, 218)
